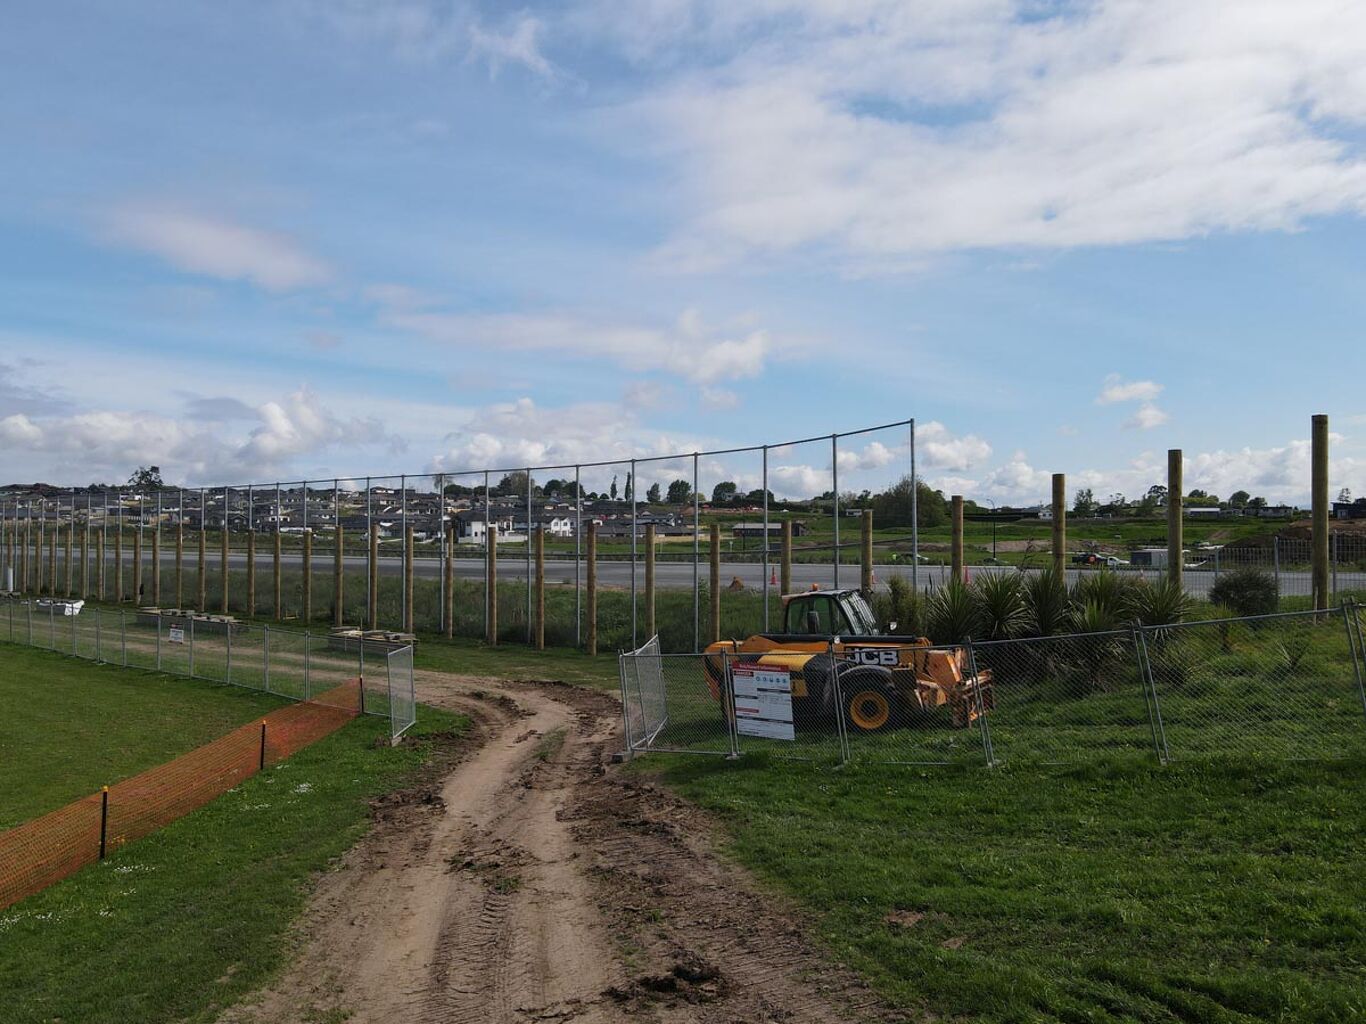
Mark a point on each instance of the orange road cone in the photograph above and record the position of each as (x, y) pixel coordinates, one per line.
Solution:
(773, 577)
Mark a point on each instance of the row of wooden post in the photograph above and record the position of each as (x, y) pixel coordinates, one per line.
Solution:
(1319, 557)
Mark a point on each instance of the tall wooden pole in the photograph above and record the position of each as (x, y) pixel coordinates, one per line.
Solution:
(958, 571)
(1319, 510)
(491, 586)
(202, 583)
(1176, 524)
(785, 559)
(85, 562)
(137, 565)
(70, 564)
(339, 578)
(590, 596)
(372, 598)
(99, 565)
(52, 560)
(452, 534)
(276, 581)
(715, 595)
(223, 560)
(408, 618)
(540, 588)
(308, 577)
(866, 576)
(1060, 525)
(650, 629)
(251, 568)
(180, 565)
(156, 568)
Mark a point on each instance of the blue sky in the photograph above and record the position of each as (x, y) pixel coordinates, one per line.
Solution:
(264, 241)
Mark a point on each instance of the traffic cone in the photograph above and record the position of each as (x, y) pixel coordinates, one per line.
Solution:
(773, 577)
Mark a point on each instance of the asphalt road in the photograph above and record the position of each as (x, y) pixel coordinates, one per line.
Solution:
(679, 575)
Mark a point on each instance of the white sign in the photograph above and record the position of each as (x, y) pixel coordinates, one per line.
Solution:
(763, 702)
(176, 634)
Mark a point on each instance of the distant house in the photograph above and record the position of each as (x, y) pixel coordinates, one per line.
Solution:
(748, 531)
(1350, 509)
(1203, 511)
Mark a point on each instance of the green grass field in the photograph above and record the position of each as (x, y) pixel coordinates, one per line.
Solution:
(178, 925)
(71, 726)
(1123, 893)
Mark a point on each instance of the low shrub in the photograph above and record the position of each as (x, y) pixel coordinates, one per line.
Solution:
(1246, 592)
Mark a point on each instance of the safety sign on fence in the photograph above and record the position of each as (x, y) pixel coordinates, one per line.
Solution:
(176, 634)
(763, 702)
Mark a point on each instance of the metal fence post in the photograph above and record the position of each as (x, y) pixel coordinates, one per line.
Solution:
(123, 637)
(1351, 616)
(308, 651)
(99, 637)
(1159, 730)
(158, 640)
(265, 654)
(227, 674)
(981, 706)
(1276, 566)
(841, 732)
(1141, 663)
(625, 705)
(728, 702)
(360, 679)
(1336, 538)
(189, 621)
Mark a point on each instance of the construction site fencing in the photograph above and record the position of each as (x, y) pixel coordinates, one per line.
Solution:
(301, 666)
(49, 848)
(1282, 686)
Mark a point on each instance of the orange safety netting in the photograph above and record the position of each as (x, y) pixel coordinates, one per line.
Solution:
(47, 849)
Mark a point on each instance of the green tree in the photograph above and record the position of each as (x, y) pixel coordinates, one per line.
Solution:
(652, 495)
(146, 478)
(1084, 504)
(680, 491)
(613, 491)
(1239, 499)
(893, 506)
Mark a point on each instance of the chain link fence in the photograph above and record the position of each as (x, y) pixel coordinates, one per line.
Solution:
(1282, 686)
(297, 665)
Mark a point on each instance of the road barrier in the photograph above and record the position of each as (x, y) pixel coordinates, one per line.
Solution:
(49, 848)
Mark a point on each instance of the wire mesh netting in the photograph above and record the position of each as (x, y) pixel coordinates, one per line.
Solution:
(1281, 686)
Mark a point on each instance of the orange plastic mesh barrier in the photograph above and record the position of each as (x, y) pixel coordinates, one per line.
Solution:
(48, 849)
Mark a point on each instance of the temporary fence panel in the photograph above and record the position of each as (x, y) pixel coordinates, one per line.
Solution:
(676, 701)
(402, 695)
(374, 655)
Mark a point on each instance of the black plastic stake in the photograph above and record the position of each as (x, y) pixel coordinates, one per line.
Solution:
(104, 818)
(262, 765)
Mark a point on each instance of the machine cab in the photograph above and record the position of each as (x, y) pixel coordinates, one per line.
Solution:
(829, 613)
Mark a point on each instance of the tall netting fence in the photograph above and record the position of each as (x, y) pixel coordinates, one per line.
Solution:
(1282, 686)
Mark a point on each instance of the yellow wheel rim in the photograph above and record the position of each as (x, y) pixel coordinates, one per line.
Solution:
(870, 709)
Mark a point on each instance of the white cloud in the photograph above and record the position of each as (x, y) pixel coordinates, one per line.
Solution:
(937, 448)
(109, 444)
(516, 46)
(199, 243)
(689, 349)
(719, 399)
(886, 131)
(1115, 389)
(1147, 417)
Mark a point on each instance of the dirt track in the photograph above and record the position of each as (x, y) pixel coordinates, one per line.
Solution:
(535, 883)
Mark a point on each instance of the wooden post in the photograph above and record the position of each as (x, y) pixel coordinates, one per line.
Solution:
(958, 571)
(85, 562)
(223, 559)
(1319, 510)
(180, 565)
(276, 581)
(491, 585)
(137, 567)
(408, 617)
(202, 583)
(785, 560)
(650, 628)
(452, 533)
(118, 564)
(99, 565)
(251, 570)
(715, 582)
(591, 587)
(308, 577)
(156, 568)
(339, 577)
(70, 564)
(52, 559)
(866, 577)
(1176, 527)
(1060, 525)
(540, 588)
(372, 601)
